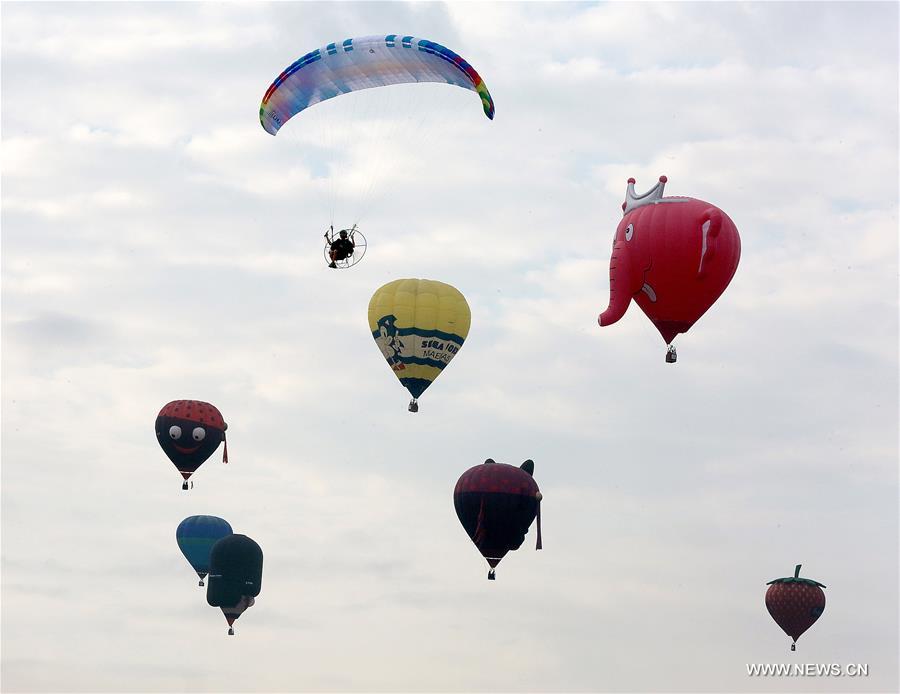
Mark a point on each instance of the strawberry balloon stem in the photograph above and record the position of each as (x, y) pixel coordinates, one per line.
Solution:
(797, 570)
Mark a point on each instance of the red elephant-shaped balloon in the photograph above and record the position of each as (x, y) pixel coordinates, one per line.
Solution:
(674, 256)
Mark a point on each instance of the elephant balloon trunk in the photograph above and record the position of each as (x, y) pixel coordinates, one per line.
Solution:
(619, 294)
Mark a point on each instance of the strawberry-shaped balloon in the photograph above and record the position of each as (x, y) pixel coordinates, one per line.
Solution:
(674, 256)
(795, 603)
(190, 431)
(496, 504)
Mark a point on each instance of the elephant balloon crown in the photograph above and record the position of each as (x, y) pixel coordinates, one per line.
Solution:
(651, 197)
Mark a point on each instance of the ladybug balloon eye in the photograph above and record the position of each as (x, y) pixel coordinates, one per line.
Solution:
(199, 434)
(629, 232)
(175, 432)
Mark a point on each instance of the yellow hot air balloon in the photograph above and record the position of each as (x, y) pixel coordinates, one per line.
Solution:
(419, 326)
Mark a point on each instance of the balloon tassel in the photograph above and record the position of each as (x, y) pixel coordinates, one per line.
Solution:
(225, 450)
(184, 485)
(492, 576)
(794, 646)
(231, 631)
(201, 584)
(478, 536)
(539, 543)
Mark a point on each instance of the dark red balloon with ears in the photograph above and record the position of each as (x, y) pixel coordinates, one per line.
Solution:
(496, 504)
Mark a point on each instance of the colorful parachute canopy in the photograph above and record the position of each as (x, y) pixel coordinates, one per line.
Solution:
(235, 576)
(363, 63)
(675, 256)
(496, 503)
(795, 603)
(196, 536)
(419, 326)
(190, 431)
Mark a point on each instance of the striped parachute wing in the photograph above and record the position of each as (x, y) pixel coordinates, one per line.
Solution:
(419, 326)
(364, 63)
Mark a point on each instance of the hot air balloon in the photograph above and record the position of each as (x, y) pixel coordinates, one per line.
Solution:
(235, 576)
(196, 536)
(795, 603)
(674, 256)
(419, 326)
(384, 122)
(496, 504)
(190, 431)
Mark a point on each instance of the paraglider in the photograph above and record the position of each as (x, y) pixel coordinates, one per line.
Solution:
(235, 576)
(353, 65)
(196, 536)
(346, 249)
(189, 431)
(496, 504)
(674, 256)
(795, 603)
(419, 326)
(364, 63)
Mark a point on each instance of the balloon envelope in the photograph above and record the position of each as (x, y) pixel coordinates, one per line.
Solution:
(496, 504)
(235, 571)
(419, 326)
(189, 432)
(795, 603)
(673, 255)
(196, 536)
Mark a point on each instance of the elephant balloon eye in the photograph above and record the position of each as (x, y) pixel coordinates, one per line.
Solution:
(175, 432)
(629, 232)
(199, 434)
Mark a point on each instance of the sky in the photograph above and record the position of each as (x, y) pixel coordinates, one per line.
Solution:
(157, 245)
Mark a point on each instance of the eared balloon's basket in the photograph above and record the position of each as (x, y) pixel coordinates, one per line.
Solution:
(671, 355)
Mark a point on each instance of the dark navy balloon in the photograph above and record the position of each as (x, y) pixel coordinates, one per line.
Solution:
(235, 576)
(196, 536)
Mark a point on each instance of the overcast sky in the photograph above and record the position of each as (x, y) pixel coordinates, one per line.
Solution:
(159, 245)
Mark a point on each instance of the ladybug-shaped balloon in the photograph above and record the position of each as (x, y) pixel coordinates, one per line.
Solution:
(674, 256)
(496, 504)
(190, 431)
(795, 603)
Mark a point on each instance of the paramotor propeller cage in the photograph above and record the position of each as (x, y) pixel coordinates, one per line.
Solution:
(359, 249)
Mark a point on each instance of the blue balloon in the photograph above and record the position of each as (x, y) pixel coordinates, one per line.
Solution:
(196, 536)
